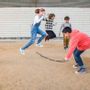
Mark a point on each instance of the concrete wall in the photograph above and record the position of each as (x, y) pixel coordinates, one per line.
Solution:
(16, 22)
(45, 3)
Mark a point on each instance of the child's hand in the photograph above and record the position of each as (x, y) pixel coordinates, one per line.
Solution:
(66, 59)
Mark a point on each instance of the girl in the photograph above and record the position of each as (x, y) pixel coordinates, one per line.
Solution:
(36, 30)
(49, 26)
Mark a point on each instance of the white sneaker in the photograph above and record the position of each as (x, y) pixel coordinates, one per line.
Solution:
(22, 51)
(39, 45)
(76, 66)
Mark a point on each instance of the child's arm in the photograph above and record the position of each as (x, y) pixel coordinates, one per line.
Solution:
(44, 19)
(70, 26)
(61, 28)
(73, 45)
(54, 23)
(38, 20)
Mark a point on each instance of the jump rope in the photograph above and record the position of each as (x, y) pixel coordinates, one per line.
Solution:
(51, 59)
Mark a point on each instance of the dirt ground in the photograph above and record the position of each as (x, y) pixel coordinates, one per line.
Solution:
(32, 72)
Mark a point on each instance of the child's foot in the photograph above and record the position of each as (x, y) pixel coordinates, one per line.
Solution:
(39, 45)
(81, 71)
(76, 66)
(22, 51)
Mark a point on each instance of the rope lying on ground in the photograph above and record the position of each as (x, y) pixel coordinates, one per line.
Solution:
(51, 59)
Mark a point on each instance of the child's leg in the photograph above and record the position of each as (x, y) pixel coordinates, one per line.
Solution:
(79, 61)
(46, 38)
(64, 40)
(67, 42)
(31, 41)
(43, 35)
(77, 57)
(52, 35)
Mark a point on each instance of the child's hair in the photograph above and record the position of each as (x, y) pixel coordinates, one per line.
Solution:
(67, 29)
(42, 9)
(66, 18)
(51, 15)
(37, 11)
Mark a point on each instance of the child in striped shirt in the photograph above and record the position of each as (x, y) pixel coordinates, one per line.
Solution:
(49, 26)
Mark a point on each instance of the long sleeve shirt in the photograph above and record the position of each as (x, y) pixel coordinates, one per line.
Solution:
(67, 24)
(49, 24)
(38, 19)
(78, 40)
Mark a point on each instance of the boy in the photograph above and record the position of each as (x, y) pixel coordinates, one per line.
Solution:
(36, 30)
(79, 42)
(49, 26)
(66, 24)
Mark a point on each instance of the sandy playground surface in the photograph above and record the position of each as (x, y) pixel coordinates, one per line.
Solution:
(32, 72)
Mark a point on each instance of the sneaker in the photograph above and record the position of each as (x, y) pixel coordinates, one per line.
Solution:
(81, 70)
(76, 66)
(22, 51)
(39, 45)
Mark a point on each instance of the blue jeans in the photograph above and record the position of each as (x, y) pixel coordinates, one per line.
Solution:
(34, 32)
(77, 57)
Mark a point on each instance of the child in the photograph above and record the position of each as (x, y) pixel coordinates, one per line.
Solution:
(49, 26)
(66, 24)
(79, 42)
(36, 30)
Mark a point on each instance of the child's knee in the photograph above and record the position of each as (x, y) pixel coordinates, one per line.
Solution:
(32, 41)
(76, 54)
(44, 34)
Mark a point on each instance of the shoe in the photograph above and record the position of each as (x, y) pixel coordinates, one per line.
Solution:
(76, 66)
(39, 45)
(81, 71)
(22, 51)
